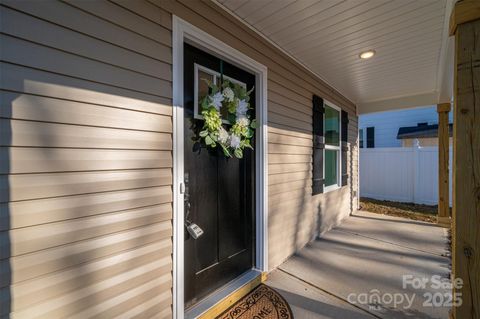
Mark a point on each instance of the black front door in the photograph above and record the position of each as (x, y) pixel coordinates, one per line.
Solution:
(219, 193)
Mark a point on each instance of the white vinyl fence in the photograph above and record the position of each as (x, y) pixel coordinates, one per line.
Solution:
(402, 174)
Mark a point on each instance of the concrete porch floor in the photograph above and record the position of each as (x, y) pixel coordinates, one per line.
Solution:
(367, 252)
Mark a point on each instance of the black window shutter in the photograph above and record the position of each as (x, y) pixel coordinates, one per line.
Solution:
(370, 137)
(318, 145)
(344, 129)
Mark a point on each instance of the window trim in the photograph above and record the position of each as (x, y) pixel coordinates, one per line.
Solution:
(338, 148)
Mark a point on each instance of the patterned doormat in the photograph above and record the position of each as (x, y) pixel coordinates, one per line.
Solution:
(261, 303)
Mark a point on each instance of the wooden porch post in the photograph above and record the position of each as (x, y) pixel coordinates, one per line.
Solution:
(443, 217)
(465, 25)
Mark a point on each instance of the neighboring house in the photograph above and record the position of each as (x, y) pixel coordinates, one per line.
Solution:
(381, 129)
(422, 135)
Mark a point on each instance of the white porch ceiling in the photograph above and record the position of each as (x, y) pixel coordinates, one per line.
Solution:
(410, 38)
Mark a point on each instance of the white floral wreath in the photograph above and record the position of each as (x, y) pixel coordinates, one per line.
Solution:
(235, 99)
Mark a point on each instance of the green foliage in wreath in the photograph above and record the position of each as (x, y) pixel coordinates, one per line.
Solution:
(232, 99)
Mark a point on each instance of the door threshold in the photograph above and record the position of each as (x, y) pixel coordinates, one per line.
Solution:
(219, 301)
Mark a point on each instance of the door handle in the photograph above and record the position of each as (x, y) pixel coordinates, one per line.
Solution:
(193, 229)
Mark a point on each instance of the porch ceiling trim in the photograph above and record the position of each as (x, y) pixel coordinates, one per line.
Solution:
(410, 101)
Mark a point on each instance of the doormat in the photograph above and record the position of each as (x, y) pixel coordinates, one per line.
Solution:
(261, 303)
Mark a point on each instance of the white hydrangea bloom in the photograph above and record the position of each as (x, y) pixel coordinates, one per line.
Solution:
(242, 108)
(234, 141)
(223, 136)
(228, 94)
(217, 100)
(243, 121)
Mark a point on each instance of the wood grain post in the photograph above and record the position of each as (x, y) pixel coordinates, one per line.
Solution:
(443, 217)
(465, 24)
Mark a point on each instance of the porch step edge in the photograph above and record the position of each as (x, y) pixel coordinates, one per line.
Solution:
(221, 300)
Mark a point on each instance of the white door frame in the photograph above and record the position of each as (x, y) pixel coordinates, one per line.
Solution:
(185, 32)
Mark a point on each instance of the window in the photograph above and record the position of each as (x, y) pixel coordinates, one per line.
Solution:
(332, 153)
(202, 75)
(360, 134)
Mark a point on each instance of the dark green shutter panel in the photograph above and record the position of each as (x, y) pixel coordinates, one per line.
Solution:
(344, 129)
(318, 145)
(371, 137)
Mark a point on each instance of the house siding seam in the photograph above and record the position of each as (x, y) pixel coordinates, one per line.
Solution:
(86, 154)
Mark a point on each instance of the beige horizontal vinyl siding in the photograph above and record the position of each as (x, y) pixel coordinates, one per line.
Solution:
(85, 160)
(293, 213)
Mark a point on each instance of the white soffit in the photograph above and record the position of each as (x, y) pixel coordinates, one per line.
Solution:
(410, 38)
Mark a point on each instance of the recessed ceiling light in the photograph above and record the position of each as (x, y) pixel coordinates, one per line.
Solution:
(367, 54)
